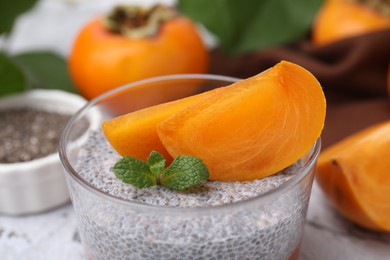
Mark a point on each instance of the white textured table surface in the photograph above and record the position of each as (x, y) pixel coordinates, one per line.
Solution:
(53, 235)
(330, 236)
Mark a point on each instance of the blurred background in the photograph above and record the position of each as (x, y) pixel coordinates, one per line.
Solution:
(54, 44)
(344, 43)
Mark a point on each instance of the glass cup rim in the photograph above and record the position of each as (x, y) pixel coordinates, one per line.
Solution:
(269, 195)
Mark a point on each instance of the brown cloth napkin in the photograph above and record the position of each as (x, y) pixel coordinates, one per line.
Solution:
(353, 73)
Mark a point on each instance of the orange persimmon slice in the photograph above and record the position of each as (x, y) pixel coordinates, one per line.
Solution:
(354, 175)
(135, 134)
(252, 128)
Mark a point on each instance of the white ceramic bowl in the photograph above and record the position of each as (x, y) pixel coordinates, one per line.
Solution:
(37, 185)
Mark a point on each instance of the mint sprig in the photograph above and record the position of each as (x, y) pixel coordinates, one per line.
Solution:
(156, 162)
(184, 172)
(134, 171)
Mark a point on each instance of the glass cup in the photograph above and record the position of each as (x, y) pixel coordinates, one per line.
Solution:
(269, 226)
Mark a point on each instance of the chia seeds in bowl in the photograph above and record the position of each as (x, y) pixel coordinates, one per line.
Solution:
(31, 175)
(261, 219)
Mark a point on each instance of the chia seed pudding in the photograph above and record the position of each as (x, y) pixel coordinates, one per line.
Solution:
(217, 220)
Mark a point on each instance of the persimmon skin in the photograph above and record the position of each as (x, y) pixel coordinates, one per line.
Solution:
(101, 60)
(340, 19)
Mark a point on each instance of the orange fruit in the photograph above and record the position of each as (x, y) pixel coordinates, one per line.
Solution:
(248, 130)
(339, 19)
(101, 59)
(135, 134)
(354, 175)
(252, 128)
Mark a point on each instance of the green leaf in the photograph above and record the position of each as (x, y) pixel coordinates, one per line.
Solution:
(135, 172)
(12, 79)
(254, 24)
(10, 10)
(46, 70)
(156, 162)
(184, 172)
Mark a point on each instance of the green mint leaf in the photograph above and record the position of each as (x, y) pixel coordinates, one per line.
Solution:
(184, 172)
(136, 172)
(156, 162)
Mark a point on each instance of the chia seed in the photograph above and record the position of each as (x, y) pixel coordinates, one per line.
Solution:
(27, 134)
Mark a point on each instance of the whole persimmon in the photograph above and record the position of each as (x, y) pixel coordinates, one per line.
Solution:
(339, 19)
(133, 43)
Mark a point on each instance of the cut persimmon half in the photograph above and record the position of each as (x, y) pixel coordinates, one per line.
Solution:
(252, 128)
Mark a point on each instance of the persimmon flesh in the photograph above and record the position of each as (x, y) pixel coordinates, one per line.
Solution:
(135, 134)
(101, 60)
(354, 175)
(252, 128)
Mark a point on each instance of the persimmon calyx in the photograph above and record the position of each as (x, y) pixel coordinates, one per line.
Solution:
(379, 6)
(138, 22)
